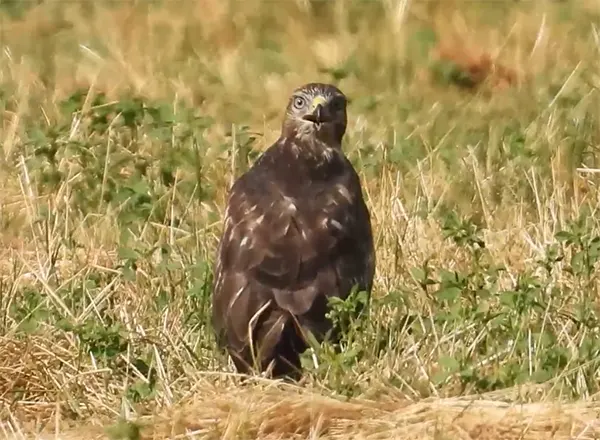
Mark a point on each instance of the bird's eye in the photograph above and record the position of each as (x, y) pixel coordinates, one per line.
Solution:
(299, 102)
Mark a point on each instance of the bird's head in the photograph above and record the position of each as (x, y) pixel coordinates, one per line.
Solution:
(316, 111)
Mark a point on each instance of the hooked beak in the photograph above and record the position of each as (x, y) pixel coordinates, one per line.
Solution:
(320, 113)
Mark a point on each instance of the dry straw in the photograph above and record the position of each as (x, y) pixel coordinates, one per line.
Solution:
(285, 413)
(48, 378)
(269, 410)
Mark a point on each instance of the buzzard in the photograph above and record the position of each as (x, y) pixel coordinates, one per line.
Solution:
(296, 231)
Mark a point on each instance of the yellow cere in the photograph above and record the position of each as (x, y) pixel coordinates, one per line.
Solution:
(316, 101)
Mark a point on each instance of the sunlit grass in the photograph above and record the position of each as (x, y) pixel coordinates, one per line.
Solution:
(123, 125)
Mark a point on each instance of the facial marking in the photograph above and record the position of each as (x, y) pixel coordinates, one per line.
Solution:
(316, 111)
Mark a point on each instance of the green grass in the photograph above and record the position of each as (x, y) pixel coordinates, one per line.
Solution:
(122, 126)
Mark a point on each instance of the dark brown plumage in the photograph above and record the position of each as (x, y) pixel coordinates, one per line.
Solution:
(296, 231)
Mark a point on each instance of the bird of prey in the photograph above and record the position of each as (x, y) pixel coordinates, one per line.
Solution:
(296, 232)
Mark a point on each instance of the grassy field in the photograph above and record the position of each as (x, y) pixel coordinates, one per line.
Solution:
(475, 128)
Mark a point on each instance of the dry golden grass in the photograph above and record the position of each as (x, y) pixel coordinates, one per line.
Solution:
(271, 411)
(503, 153)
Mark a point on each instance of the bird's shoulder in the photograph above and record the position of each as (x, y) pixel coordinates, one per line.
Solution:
(286, 169)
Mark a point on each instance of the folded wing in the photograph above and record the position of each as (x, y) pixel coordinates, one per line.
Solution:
(283, 254)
